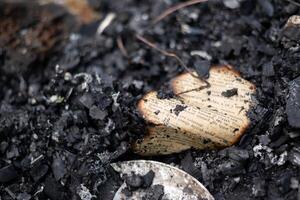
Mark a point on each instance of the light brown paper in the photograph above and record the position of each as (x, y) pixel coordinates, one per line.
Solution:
(208, 120)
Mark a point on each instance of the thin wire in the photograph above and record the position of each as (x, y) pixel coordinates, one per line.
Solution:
(169, 54)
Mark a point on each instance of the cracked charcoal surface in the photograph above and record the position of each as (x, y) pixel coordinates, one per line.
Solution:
(67, 99)
(293, 103)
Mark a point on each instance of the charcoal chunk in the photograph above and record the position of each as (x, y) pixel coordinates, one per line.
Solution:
(231, 167)
(134, 181)
(7, 174)
(268, 69)
(202, 68)
(293, 103)
(53, 189)
(148, 179)
(294, 156)
(58, 167)
(38, 172)
(189, 166)
(156, 192)
(86, 100)
(267, 7)
(23, 196)
(284, 182)
(238, 154)
(96, 113)
(259, 187)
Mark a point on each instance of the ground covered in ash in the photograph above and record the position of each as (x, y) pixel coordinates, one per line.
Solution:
(68, 94)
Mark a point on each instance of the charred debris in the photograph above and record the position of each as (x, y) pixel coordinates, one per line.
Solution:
(69, 93)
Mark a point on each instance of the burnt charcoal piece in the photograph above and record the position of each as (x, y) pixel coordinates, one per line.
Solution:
(259, 187)
(58, 167)
(24, 196)
(267, 7)
(237, 154)
(53, 189)
(293, 103)
(155, 192)
(231, 168)
(294, 156)
(268, 69)
(38, 172)
(7, 174)
(284, 182)
(110, 187)
(230, 93)
(29, 32)
(189, 166)
(202, 68)
(290, 32)
(134, 181)
(96, 113)
(86, 100)
(148, 179)
(42, 57)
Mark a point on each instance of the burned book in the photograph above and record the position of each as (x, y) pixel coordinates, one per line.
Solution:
(198, 117)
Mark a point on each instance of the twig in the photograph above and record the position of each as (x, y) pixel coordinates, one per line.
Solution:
(169, 54)
(293, 2)
(121, 46)
(175, 8)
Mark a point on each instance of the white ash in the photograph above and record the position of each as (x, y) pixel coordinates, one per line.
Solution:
(202, 54)
(56, 99)
(262, 152)
(138, 84)
(87, 78)
(84, 193)
(109, 126)
(115, 99)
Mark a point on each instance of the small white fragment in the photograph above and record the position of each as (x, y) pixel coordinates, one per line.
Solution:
(293, 20)
(261, 151)
(75, 36)
(258, 150)
(202, 54)
(217, 44)
(282, 158)
(294, 183)
(278, 120)
(87, 79)
(232, 3)
(84, 193)
(32, 101)
(185, 28)
(105, 23)
(56, 99)
(67, 76)
(55, 136)
(109, 126)
(137, 84)
(58, 69)
(115, 99)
